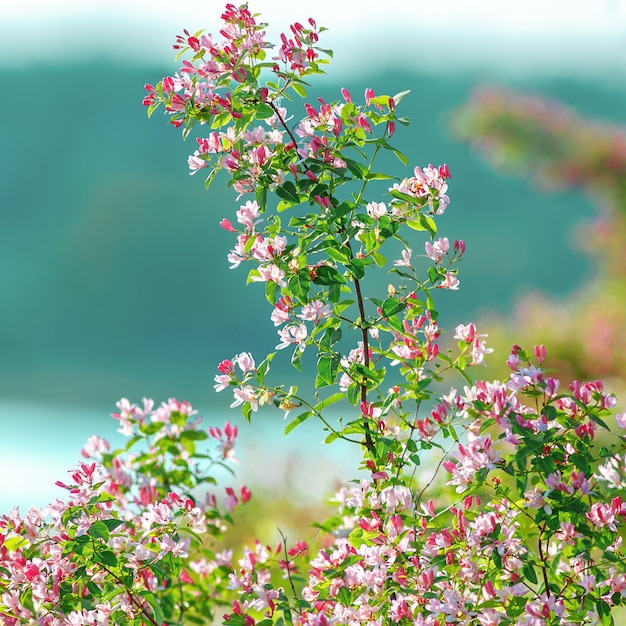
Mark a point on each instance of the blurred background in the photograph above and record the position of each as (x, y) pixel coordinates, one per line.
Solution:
(113, 273)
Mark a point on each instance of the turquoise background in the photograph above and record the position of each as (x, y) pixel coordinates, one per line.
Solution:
(113, 273)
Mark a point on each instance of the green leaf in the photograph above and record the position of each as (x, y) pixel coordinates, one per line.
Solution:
(338, 253)
(287, 191)
(15, 543)
(401, 157)
(106, 557)
(99, 530)
(599, 421)
(354, 392)
(264, 112)
(326, 275)
(343, 209)
(356, 268)
(153, 601)
(604, 611)
(369, 374)
(261, 197)
(331, 336)
(340, 307)
(296, 359)
(358, 170)
(299, 89)
(528, 572)
(299, 285)
(263, 368)
(210, 178)
(246, 411)
(327, 367)
(270, 291)
(334, 293)
(380, 100)
(193, 435)
(336, 397)
(303, 417)
(378, 176)
(113, 523)
(379, 259)
(430, 304)
(401, 96)
(391, 306)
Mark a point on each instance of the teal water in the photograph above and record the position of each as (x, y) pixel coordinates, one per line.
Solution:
(40, 444)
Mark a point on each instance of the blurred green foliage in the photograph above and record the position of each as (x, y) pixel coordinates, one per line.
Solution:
(560, 149)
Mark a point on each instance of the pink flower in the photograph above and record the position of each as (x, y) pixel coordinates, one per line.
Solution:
(315, 311)
(376, 209)
(248, 215)
(175, 548)
(449, 282)
(438, 249)
(479, 349)
(245, 362)
(271, 273)
(465, 333)
(196, 163)
(245, 394)
(226, 225)
(293, 334)
(405, 261)
(226, 367)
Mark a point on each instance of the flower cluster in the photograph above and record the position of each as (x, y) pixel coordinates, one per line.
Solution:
(223, 85)
(112, 551)
(517, 548)
(499, 505)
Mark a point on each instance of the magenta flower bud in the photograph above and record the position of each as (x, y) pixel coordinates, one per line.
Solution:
(346, 94)
(226, 225)
(226, 367)
(369, 94)
(364, 123)
(444, 172)
(246, 494)
(337, 125)
(167, 84)
(324, 202)
(230, 431)
(540, 353)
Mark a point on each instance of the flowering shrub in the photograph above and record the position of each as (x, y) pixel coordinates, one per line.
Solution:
(561, 149)
(130, 543)
(497, 504)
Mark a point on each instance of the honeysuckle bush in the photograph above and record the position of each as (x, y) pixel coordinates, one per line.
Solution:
(488, 503)
(561, 149)
(130, 543)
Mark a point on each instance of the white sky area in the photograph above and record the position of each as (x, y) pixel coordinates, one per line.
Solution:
(536, 37)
